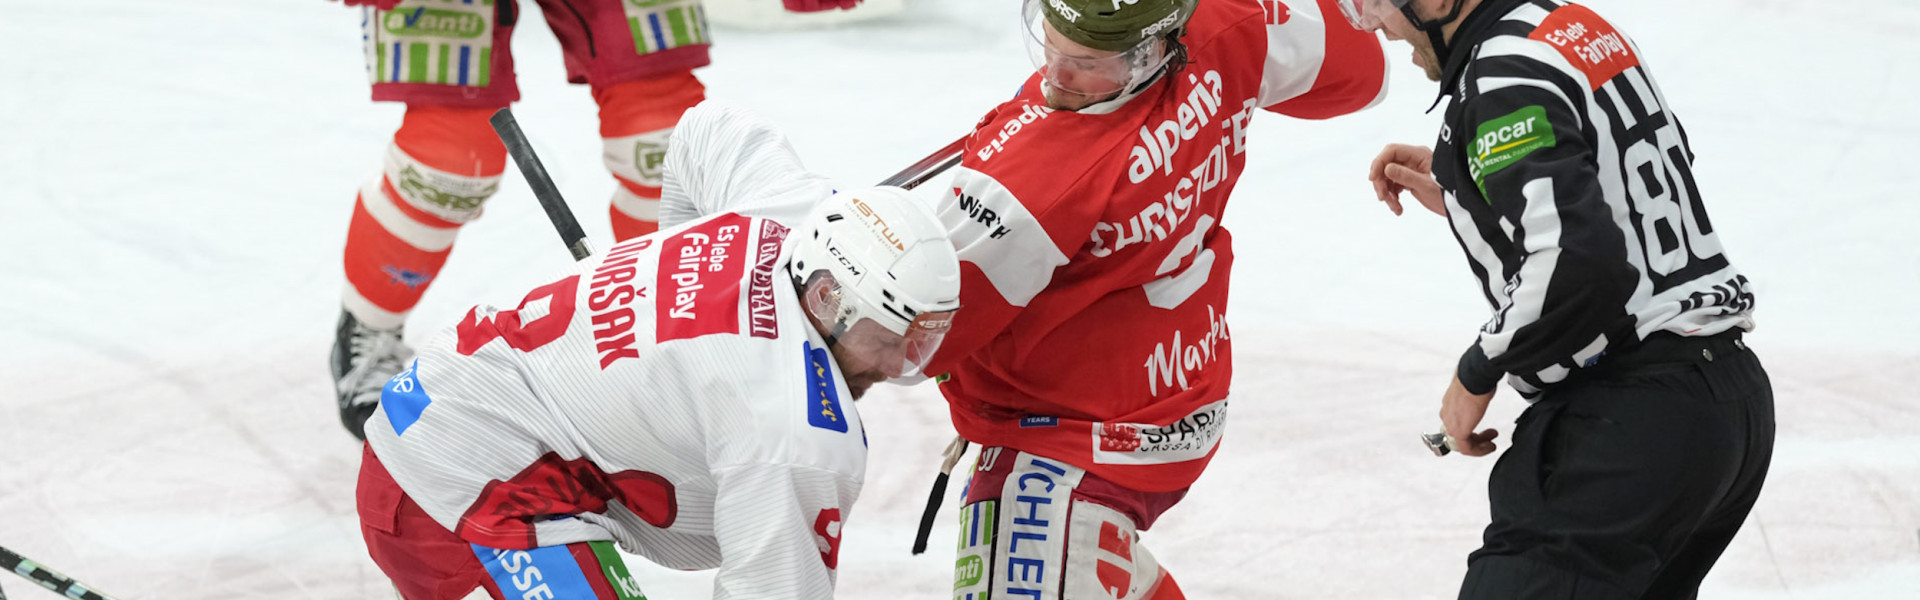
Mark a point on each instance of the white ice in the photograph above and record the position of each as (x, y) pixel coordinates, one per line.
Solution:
(176, 179)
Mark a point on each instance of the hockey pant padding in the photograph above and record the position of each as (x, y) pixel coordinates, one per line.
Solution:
(636, 120)
(425, 561)
(412, 59)
(442, 166)
(1034, 528)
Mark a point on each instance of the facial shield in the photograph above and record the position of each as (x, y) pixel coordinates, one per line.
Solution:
(1073, 68)
(895, 353)
(1365, 15)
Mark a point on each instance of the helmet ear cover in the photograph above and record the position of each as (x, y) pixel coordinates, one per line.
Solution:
(820, 297)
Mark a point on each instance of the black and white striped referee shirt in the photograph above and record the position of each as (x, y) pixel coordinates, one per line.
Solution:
(1569, 183)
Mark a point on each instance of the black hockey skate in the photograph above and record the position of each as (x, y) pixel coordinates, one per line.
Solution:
(363, 360)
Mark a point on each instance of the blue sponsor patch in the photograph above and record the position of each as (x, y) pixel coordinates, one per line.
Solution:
(1039, 421)
(823, 408)
(410, 278)
(404, 399)
(544, 572)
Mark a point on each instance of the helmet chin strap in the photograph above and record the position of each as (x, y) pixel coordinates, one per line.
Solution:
(1173, 56)
(1433, 29)
(839, 328)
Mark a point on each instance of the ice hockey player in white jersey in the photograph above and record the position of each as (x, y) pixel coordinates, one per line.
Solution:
(686, 394)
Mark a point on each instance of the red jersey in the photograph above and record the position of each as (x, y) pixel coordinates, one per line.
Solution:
(1094, 265)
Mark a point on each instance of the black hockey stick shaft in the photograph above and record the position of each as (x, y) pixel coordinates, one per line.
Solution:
(927, 168)
(543, 188)
(932, 510)
(47, 578)
(950, 457)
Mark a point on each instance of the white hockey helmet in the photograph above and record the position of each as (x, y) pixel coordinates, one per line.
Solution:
(893, 263)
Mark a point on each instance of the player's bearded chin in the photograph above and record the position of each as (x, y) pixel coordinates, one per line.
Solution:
(1424, 56)
(858, 383)
(856, 370)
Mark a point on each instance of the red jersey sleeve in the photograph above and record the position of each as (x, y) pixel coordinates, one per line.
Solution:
(1008, 254)
(1318, 66)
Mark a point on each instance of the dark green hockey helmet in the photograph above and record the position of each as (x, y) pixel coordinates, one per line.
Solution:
(1116, 25)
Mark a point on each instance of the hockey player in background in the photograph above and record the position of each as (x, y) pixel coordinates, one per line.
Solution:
(451, 63)
(1568, 181)
(688, 394)
(1091, 358)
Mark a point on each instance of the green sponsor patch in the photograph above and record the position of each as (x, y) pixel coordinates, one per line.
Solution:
(417, 185)
(615, 568)
(1503, 141)
(659, 25)
(650, 158)
(435, 23)
(968, 571)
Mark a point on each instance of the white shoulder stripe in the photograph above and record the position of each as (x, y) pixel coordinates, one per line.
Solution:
(1513, 45)
(993, 230)
(1489, 84)
(1527, 13)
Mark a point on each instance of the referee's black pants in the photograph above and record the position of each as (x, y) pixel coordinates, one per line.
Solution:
(1629, 479)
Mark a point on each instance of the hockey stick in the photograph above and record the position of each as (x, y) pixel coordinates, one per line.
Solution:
(542, 184)
(955, 449)
(47, 578)
(927, 168)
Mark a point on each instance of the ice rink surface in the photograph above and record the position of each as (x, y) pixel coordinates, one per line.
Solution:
(176, 179)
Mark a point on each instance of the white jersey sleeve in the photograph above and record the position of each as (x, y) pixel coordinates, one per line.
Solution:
(779, 530)
(725, 159)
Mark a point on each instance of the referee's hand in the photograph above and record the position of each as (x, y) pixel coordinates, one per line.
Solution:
(1403, 168)
(1460, 412)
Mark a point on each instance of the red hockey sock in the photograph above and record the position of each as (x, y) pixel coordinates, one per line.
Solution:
(455, 140)
(443, 165)
(636, 118)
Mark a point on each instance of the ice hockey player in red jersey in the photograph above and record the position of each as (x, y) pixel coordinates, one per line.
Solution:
(687, 394)
(1091, 357)
(451, 62)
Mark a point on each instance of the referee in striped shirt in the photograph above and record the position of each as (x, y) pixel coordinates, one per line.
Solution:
(1568, 181)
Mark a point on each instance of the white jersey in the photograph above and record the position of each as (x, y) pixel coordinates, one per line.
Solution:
(669, 395)
(725, 159)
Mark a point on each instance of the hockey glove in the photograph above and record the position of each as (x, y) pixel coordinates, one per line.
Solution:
(818, 5)
(376, 4)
